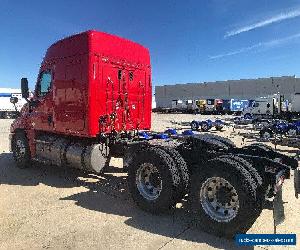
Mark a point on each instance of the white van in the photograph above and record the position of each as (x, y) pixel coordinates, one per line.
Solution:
(7, 109)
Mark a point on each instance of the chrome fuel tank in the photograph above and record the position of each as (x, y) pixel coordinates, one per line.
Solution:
(63, 152)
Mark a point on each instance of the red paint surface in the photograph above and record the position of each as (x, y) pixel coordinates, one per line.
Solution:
(86, 87)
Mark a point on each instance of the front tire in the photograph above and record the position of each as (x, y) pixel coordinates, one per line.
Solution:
(223, 198)
(21, 150)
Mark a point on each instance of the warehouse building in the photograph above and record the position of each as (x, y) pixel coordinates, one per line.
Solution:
(226, 90)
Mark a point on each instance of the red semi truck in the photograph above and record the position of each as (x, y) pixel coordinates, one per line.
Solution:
(91, 102)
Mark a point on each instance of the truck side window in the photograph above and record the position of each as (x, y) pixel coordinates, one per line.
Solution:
(44, 84)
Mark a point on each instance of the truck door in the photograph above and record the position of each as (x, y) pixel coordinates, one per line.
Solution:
(69, 108)
(42, 112)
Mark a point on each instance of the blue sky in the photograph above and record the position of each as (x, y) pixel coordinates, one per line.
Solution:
(189, 41)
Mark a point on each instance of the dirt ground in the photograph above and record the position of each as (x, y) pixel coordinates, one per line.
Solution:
(52, 207)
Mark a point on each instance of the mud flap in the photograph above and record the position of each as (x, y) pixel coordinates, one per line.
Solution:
(297, 182)
(278, 210)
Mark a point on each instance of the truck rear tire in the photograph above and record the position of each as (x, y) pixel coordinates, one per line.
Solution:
(153, 179)
(260, 146)
(249, 167)
(223, 198)
(181, 165)
(224, 140)
(21, 150)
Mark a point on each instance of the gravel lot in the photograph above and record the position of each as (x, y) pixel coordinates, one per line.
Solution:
(52, 207)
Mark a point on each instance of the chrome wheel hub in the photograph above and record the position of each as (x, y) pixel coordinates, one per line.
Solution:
(219, 199)
(148, 181)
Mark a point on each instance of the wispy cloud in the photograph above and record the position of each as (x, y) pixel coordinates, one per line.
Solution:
(262, 45)
(275, 19)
